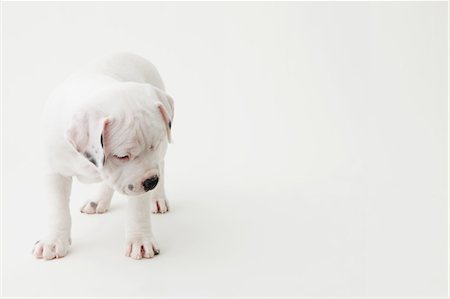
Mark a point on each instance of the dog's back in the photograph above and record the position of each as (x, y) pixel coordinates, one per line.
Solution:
(129, 67)
(78, 89)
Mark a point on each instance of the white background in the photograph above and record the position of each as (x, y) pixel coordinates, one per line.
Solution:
(310, 154)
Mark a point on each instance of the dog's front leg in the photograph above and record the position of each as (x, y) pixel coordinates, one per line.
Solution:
(140, 242)
(57, 242)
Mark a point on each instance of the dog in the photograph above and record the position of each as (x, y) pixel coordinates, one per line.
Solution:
(110, 122)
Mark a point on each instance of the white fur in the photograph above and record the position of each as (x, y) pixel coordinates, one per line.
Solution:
(120, 101)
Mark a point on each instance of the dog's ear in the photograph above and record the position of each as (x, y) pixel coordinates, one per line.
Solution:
(87, 135)
(166, 108)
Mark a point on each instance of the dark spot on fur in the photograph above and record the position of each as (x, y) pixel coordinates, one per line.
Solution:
(93, 161)
(93, 204)
(101, 140)
(90, 158)
(170, 125)
(130, 187)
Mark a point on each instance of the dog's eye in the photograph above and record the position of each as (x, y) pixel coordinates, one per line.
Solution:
(122, 157)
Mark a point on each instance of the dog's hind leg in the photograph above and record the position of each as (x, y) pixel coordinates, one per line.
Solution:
(160, 204)
(101, 204)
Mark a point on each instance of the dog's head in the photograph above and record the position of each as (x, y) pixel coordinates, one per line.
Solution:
(126, 136)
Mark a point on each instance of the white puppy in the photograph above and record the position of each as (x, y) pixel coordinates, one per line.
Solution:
(108, 123)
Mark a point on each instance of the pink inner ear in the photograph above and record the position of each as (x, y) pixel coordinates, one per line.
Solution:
(166, 119)
(105, 134)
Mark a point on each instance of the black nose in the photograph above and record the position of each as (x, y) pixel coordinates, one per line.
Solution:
(150, 183)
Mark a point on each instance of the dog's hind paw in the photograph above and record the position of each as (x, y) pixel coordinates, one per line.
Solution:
(92, 207)
(160, 205)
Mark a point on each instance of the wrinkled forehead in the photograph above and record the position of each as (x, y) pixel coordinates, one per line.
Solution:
(132, 134)
(135, 122)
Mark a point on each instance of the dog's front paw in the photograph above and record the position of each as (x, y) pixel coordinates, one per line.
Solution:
(50, 248)
(95, 207)
(160, 205)
(139, 247)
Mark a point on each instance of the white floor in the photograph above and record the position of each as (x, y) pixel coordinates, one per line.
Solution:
(310, 154)
(234, 243)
